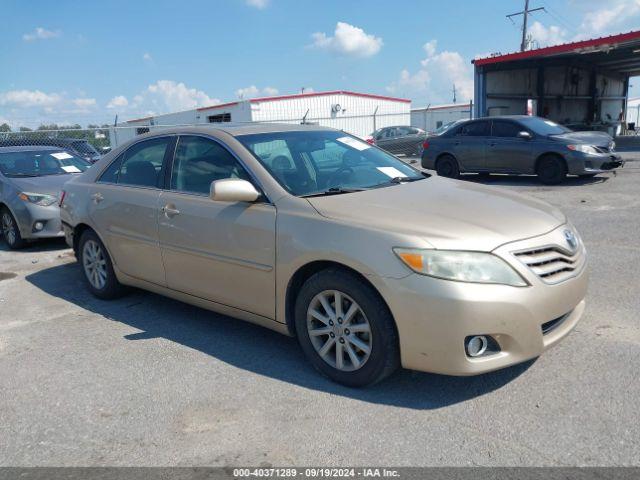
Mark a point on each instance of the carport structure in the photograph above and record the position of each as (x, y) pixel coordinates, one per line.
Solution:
(581, 84)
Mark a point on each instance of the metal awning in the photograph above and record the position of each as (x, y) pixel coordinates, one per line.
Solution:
(616, 54)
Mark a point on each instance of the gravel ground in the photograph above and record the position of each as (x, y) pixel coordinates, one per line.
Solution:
(150, 381)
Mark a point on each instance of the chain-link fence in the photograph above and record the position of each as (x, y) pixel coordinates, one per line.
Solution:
(93, 142)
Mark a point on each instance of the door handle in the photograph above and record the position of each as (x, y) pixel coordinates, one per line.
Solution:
(170, 211)
(97, 197)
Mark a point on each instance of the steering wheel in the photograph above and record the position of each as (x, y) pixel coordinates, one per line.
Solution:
(335, 178)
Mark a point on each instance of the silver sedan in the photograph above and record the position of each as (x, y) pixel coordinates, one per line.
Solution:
(31, 180)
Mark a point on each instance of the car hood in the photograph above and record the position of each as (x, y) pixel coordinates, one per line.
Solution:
(598, 139)
(47, 184)
(446, 213)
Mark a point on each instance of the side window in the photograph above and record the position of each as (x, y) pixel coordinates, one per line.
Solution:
(475, 129)
(199, 161)
(110, 175)
(142, 163)
(390, 133)
(505, 129)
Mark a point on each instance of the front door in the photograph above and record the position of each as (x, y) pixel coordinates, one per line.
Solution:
(470, 143)
(506, 152)
(220, 251)
(124, 207)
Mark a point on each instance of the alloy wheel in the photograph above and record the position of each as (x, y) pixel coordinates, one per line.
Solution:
(95, 264)
(339, 330)
(8, 228)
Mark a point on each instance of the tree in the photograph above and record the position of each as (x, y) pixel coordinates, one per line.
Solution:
(5, 127)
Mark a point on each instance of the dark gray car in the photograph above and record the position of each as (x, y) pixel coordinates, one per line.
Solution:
(519, 145)
(403, 140)
(31, 180)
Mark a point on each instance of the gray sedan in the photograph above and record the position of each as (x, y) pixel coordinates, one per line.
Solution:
(519, 145)
(399, 140)
(31, 180)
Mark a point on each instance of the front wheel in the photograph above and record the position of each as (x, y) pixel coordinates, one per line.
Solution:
(551, 170)
(345, 329)
(10, 230)
(97, 267)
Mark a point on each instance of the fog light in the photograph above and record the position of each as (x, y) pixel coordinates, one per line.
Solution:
(477, 345)
(38, 226)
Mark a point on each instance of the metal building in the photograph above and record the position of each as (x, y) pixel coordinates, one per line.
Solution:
(357, 113)
(434, 116)
(582, 84)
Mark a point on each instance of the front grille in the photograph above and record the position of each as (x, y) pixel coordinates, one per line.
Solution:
(553, 324)
(552, 264)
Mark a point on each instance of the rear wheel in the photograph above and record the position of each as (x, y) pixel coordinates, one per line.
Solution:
(97, 267)
(551, 170)
(345, 329)
(447, 166)
(10, 230)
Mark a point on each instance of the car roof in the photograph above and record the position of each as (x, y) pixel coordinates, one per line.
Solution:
(236, 129)
(28, 148)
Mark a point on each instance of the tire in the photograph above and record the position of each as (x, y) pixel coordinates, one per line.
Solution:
(10, 230)
(447, 166)
(551, 170)
(93, 257)
(376, 330)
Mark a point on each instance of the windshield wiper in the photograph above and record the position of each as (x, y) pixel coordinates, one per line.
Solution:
(404, 179)
(333, 191)
(22, 175)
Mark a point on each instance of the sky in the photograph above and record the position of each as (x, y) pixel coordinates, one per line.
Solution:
(70, 62)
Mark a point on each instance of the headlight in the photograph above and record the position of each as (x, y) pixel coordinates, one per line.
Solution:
(477, 267)
(41, 199)
(589, 150)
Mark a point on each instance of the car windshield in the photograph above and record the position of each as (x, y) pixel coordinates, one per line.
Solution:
(85, 148)
(39, 163)
(543, 127)
(326, 161)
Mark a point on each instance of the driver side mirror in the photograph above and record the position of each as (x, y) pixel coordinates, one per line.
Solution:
(524, 135)
(233, 190)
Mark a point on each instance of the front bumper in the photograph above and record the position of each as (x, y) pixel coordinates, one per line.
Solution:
(583, 164)
(27, 214)
(435, 316)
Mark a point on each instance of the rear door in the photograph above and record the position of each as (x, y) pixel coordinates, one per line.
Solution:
(124, 208)
(470, 144)
(506, 152)
(220, 251)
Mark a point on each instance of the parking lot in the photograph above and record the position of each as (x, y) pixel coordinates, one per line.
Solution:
(145, 380)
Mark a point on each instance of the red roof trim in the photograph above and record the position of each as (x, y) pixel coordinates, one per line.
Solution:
(331, 92)
(557, 49)
(220, 105)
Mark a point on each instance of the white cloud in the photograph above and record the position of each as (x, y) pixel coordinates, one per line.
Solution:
(29, 98)
(259, 4)
(84, 102)
(434, 81)
(253, 91)
(41, 34)
(119, 101)
(430, 48)
(348, 40)
(545, 36)
(147, 57)
(172, 96)
(602, 20)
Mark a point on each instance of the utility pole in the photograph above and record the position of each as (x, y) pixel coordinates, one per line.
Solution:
(525, 13)
(454, 93)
